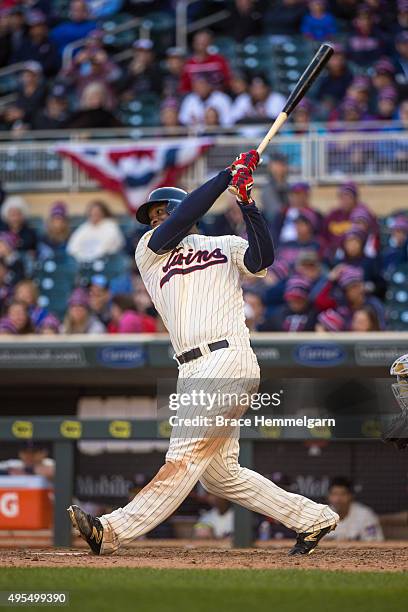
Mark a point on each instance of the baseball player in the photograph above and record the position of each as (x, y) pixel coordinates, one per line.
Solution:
(193, 281)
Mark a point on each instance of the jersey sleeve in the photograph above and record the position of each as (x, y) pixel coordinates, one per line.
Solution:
(238, 247)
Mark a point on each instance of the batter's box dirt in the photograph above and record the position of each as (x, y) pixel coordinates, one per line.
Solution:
(385, 556)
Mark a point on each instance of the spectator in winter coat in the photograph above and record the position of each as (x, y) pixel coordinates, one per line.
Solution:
(98, 236)
(345, 292)
(297, 314)
(338, 221)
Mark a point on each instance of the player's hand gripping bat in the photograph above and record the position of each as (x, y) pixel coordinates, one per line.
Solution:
(302, 86)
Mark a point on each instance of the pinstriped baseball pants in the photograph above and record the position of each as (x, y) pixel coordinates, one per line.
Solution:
(211, 456)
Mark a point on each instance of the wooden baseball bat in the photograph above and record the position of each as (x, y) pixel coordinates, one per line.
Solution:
(311, 73)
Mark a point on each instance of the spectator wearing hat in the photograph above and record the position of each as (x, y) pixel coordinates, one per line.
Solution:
(78, 26)
(318, 23)
(97, 237)
(362, 218)
(126, 320)
(259, 104)
(203, 62)
(100, 297)
(284, 224)
(297, 314)
(11, 258)
(352, 254)
(330, 321)
(26, 292)
(14, 215)
(331, 88)
(338, 221)
(384, 71)
(274, 194)
(171, 80)
(79, 318)
(364, 320)
(143, 74)
(57, 231)
(345, 292)
(366, 44)
(204, 96)
(49, 326)
(17, 314)
(306, 224)
(37, 46)
(396, 252)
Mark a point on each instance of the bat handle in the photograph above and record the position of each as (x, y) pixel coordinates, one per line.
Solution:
(277, 124)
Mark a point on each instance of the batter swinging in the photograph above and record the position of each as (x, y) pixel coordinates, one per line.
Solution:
(194, 283)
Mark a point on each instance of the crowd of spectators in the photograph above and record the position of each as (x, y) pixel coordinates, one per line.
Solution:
(367, 78)
(330, 272)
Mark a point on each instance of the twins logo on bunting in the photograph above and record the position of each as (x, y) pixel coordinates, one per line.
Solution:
(135, 170)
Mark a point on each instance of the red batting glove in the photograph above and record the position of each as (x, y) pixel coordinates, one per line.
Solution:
(241, 186)
(248, 160)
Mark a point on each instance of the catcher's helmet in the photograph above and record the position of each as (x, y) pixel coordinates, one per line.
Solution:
(400, 369)
(171, 196)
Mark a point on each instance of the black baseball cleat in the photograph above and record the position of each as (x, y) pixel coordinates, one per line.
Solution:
(307, 542)
(89, 527)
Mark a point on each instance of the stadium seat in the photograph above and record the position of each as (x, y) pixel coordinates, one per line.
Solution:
(55, 278)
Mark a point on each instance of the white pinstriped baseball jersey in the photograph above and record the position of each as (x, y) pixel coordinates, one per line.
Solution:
(196, 288)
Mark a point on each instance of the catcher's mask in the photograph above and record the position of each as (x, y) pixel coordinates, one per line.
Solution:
(170, 196)
(400, 389)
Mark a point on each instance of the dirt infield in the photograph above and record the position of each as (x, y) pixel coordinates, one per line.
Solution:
(385, 556)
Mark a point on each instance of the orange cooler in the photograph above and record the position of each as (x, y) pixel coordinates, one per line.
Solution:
(25, 502)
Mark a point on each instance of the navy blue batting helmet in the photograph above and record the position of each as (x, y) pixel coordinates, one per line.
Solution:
(170, 196)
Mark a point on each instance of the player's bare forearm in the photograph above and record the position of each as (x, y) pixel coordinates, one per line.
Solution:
(194, 206)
